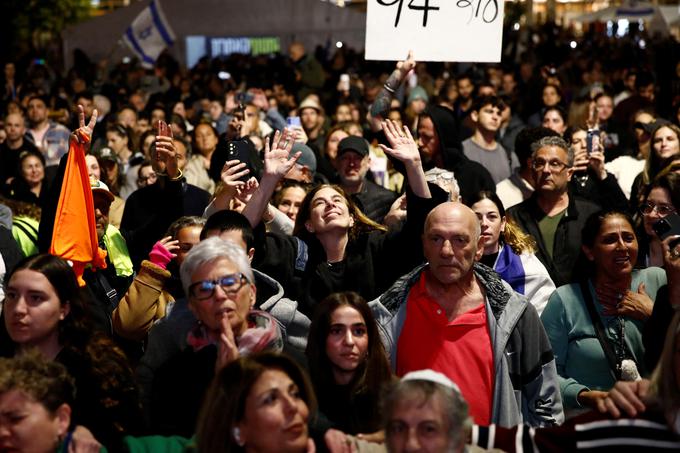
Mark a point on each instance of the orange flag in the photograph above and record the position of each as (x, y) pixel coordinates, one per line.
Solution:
(75, 233)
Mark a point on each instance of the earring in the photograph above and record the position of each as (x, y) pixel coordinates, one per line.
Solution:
(237, 437)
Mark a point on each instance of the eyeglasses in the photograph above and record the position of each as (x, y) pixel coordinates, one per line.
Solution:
(230, 284)
(555, 166)
(661, 209)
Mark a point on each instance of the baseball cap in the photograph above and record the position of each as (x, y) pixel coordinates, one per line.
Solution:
(101, 187)
(307, 158)
(106, 153)
(353, 143)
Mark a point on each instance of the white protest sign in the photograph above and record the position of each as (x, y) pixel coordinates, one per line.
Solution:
(436, 30)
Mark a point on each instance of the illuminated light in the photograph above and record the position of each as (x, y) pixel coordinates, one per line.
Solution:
(338, 44)
(642, 44)
(573, 44)
(515, 26)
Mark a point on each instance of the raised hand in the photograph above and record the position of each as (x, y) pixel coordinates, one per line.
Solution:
(403, 146)
(165, 156)
(85, 129)
(247, 190)
(276, 161)
(231, 174)
(164, 251)
(407, 65)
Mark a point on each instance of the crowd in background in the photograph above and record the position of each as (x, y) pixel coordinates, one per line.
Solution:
(316, 247)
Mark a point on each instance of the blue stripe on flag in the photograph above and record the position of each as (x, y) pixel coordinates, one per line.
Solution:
(131, 37)
(160, 25)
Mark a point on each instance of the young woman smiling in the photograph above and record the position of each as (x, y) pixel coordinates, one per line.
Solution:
(335, 247)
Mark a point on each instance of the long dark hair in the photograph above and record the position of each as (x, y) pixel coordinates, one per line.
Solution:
(362, 224)
(585, 268)
(225, 401)
(654, 163)
(371, 374)
(73, 329)
(513, 235)
(99, 361)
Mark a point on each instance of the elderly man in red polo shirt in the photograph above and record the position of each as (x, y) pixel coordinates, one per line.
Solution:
(456, 316)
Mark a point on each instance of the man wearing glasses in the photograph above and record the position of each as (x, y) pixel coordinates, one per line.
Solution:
(551, 215)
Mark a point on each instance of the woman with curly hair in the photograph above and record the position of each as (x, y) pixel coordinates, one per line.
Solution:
(44, 310)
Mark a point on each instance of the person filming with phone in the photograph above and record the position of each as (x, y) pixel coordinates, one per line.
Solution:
(591, 179)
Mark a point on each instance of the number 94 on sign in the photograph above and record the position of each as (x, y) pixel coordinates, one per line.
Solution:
(484, 10)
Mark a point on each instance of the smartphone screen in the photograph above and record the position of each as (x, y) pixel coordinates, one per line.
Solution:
(592, 140)
(293, 121)
(668, 226)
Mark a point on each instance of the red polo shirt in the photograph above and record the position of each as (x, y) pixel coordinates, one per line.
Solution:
(460, 349)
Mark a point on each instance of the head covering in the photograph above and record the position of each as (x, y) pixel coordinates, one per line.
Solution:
(353, 143)
(106, 153)
(308, 159)
(655, 125)
(100, 187)
(310, 103)
(431, 376)
(418, 92)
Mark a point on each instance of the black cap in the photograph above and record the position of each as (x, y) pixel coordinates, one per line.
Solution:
(353, 143)
(651, 127)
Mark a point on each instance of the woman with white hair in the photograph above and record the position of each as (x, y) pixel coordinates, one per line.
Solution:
(219, 284)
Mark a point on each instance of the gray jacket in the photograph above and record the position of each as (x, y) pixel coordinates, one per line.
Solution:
(526, 389)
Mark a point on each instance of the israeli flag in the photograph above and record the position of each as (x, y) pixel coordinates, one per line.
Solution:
(149, 34)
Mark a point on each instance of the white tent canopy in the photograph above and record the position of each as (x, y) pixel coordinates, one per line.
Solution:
(630, 10)
(312, 22)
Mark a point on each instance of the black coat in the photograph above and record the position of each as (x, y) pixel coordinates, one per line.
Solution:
(567, 244)
(375, 201)
(149, 211)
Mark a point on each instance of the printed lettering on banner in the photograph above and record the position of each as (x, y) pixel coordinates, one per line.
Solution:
(436, 30)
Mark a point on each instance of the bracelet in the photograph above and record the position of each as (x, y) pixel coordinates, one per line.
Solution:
(176, 178)
(388, 88)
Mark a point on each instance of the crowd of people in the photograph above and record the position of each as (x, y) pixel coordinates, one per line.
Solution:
(310, 252)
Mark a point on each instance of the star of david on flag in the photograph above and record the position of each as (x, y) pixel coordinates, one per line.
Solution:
(149, 34)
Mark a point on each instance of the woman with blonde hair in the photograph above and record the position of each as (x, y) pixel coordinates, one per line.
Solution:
(511, 252)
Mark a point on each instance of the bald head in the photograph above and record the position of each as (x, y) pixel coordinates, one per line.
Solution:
(15, 127)
(455, 211)
(452, 243)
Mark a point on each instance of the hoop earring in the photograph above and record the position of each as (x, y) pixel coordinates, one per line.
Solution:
(237, 437)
